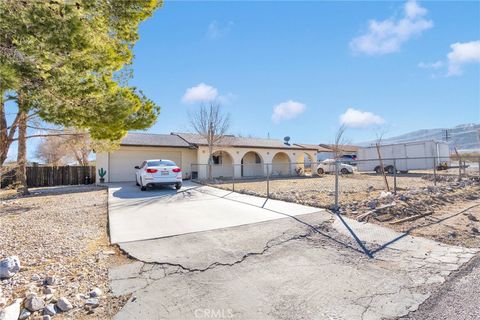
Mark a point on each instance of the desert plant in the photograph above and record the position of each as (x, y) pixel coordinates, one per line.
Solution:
(102, 172)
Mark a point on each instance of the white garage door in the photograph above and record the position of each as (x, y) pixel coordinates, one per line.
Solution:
(123, 162)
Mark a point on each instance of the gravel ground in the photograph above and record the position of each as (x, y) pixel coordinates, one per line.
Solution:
(416, 194)
(60, 232)
(319, 191)
(456, 299)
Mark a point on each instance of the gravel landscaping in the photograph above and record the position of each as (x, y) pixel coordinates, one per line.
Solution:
(430, 210)
(59, 237)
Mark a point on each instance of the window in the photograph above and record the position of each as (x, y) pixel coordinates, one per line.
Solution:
(158, 163)
(217, 159)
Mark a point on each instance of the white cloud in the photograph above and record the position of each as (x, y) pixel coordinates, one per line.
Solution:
(200, 93)
(287, 110)
(360, 119)
(387, 36)
(216, 30)
(461, 54)
(433, 65)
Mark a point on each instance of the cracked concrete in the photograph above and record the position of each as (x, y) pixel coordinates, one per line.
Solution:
(285, 270)
(301, 267)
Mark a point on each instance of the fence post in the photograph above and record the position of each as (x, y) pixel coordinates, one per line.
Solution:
(268, 183)
(434, 171)
(394, 176)
(233, 178)
(336, 185)
(459, 168)
(479, 168)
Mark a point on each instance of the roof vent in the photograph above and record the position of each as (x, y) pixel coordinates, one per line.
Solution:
(286, 140)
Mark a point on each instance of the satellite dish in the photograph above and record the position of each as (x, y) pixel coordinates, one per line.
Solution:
(286, 140)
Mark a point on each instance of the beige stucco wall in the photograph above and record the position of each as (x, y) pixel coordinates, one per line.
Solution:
(238, 153)
(121, 162)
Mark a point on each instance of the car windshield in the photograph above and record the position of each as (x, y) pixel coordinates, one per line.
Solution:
(161, 163)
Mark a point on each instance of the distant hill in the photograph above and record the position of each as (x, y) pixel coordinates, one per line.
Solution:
(463, 137)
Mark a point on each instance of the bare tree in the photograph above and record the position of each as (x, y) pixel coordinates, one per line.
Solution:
(53, 151)
(340, 141)
(210, 123)
(79, 146)
(380, 132)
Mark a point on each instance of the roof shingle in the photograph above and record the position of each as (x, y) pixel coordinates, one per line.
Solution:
(156, 140)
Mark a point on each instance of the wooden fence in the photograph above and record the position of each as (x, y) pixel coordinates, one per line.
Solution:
(40, 176)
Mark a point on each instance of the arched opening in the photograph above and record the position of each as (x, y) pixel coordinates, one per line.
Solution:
(222, 164)
(281, 164)
(252, 165)
(304, 164)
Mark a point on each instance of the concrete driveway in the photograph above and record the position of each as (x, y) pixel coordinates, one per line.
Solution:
(164, 212)
(207, 253)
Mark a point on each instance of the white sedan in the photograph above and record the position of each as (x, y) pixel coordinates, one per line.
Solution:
(328, 166)
(158, 172)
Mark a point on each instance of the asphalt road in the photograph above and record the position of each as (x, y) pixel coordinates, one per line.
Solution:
(458, 298)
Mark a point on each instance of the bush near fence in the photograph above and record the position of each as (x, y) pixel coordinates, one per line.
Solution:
(46, 176)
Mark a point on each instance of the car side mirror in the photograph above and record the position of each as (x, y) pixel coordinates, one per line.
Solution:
(137, 167)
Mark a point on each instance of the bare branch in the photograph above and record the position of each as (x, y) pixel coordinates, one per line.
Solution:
(212, 125)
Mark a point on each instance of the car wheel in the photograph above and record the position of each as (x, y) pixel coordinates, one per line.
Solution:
(320, 171)
(142, 187)
(178, 186)
(344, 171)
(390, 169)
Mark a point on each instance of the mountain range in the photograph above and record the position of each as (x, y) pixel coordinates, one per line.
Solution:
(463, 137)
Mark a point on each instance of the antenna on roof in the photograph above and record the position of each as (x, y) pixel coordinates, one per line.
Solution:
(286, 140)
(268, 135)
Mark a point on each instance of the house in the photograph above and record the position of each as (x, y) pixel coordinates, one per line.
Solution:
(326, 151)
(234, 157)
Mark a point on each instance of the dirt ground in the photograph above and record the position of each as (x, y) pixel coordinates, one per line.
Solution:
(452, 224)
(60, 232)
(454, 206)
(319, 191)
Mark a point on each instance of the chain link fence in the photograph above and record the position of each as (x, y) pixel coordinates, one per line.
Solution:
(384, 191)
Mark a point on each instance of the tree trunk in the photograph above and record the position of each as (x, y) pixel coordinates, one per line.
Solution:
(22, 150)
(385, 180)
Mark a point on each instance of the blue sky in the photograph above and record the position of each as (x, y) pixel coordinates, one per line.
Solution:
(398, 66)
(258, 55)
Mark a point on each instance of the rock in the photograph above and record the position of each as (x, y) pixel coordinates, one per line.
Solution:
(12, 311)
(95, 293)
(452, 234)
(34, 303)
(372, 204)
(108, 252)
(475, 230)
(93, 302)
(471, 217)
(9, 267)
(48, 297)
(50, 280)
(48, 290)
(44, 317)
(24, 314)
(3, 302)
(384, 194)
(64, 305)
(49, 310)
(35, 277)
